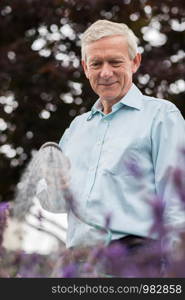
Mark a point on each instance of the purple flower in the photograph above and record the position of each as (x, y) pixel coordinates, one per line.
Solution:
(108, 220)
(115, 250)
(179, 182)
(4, 207)
(70, 271)
(158, 207)
(133, 168)
(31, 265)
(114, 260)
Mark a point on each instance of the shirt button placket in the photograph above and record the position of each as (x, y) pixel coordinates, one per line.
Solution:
(96, 155)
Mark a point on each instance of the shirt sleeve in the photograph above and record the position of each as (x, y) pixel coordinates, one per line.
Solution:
(64, 139)
(168, 141)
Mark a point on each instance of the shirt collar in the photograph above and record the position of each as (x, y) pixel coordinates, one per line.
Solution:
(97, 107)
(133, 99)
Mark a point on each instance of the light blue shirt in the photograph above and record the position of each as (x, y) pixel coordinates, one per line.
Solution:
(119, 163)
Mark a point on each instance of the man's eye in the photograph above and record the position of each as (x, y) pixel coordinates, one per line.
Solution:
(116, 63)
(95, 64)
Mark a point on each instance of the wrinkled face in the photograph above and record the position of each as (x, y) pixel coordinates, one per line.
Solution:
(109, 67)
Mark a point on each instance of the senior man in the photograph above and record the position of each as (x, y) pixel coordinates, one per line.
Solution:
(122, 150)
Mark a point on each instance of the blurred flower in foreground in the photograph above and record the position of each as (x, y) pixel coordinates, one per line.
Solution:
(156, 258)
(4, 212)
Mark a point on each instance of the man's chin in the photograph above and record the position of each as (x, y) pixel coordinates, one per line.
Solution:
(109, 98)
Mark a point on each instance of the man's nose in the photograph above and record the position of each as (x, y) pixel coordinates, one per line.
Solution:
(106, 71)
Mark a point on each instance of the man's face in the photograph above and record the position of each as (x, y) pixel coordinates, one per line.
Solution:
(109, 67)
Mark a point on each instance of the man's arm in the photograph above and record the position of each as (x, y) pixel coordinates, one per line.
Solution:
(168, 140)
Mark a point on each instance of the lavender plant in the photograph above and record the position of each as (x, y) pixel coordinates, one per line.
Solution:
(157, 259)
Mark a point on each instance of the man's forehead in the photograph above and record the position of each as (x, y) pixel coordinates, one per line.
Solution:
(113, 46)
(100, 57)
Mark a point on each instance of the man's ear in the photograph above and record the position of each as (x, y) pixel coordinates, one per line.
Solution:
(84, 65)
(136, 62)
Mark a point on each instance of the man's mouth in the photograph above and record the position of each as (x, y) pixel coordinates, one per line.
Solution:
(108, 84)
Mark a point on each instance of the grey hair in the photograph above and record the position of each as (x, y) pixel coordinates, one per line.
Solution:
(103, 28)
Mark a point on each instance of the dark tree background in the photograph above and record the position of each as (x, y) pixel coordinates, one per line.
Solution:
(42, 86)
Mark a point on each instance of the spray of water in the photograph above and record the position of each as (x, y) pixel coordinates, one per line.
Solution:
(50, 168)
(47, 171)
